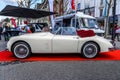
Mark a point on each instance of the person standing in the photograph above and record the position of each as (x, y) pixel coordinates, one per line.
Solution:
(26, 27)
(32, 28)
(1, 32)
(5, 33)
(46, 28)
(116, 34)
(101, 26)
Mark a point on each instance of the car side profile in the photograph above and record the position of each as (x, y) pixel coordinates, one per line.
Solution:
(63, 40)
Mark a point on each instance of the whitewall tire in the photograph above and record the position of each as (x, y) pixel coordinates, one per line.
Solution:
(21, 50)
(90, 50)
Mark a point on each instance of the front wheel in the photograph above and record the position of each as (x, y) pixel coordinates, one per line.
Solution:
(21, 50)
(90, 50)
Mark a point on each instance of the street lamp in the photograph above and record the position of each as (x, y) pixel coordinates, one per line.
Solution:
(113, 28)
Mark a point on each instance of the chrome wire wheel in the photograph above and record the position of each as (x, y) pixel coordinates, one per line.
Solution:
(90, 50)
(21, 50)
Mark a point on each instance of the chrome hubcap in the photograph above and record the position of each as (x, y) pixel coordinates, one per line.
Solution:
(90, 50)
(21, 51)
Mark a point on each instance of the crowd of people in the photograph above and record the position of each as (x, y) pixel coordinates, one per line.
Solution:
(3, 30)
(7, 31)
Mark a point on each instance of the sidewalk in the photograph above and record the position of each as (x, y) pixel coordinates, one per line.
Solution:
(3, 44)
(116, 42)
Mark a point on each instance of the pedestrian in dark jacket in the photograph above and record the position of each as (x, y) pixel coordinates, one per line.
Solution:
(5, 33)
(0, 32)
(32, 28)
(116, 34)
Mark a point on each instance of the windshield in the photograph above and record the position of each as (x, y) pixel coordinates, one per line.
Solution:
(88, 23)
(65, 31)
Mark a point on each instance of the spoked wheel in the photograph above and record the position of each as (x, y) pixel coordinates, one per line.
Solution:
(90, 50)
(21, 50)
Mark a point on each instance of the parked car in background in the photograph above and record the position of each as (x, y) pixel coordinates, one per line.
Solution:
(80, 21)
(64, 40)
(38, 26)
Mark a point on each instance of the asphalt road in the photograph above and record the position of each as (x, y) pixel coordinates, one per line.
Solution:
(61, 70)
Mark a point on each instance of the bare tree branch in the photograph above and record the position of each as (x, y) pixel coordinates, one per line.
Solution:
(109, 2)
(44, 4)
(34, 2)
(26, 3)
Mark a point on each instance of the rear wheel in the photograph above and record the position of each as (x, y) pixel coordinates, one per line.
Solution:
(90, 50)
(21, 50)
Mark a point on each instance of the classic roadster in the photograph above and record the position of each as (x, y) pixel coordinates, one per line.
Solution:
(64, 40)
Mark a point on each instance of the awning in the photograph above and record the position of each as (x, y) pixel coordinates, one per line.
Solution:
(24, 12)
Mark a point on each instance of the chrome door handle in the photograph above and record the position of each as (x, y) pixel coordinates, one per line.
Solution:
(75, 37)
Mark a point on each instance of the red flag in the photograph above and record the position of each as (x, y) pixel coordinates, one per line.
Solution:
(13, 22)
(26, 22)
(73, 4)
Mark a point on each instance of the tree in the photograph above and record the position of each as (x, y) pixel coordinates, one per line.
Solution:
(109, 5)
(7, 20)
(26, 3)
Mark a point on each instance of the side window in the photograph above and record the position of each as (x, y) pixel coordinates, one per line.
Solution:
(66, 22)
(37, 27)
(69, 31)
(84, 23)
(77, 23)
(66, 31)
(57, 26)
(58, 32)
(73, 22)
(81, 23)
(40, 26)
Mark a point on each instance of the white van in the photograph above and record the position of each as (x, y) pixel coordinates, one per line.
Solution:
(80, 21)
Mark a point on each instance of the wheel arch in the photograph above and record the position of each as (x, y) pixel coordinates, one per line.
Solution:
(92, 42)
(21, 41)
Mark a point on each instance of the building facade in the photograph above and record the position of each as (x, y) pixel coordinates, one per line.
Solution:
(94, 8)
(57, 7)
(97, 8)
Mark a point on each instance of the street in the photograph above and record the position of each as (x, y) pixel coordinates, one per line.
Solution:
(62, 70)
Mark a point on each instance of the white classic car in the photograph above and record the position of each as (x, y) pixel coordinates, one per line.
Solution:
(64, 40)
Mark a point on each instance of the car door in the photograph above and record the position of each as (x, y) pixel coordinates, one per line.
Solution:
(41, 43)
(65, 44)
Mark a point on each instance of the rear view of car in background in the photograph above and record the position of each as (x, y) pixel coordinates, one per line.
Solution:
(38, 26)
